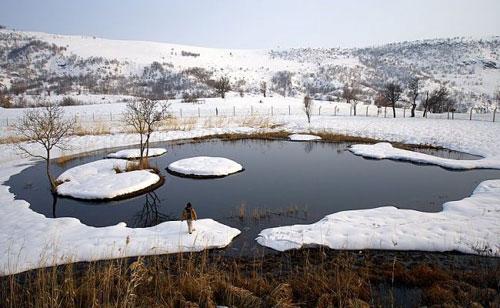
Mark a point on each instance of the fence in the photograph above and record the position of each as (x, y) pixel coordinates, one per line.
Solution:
(332, 109)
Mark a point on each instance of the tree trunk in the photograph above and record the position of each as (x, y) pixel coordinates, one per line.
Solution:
(394, 109)
(141, 147)
(53, 186)
(413, 107)
(147, 151)
(354, 109)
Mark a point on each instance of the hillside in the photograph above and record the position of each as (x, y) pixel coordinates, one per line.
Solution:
(40, 63)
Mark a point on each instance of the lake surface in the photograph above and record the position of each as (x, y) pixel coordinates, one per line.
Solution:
(283, 183)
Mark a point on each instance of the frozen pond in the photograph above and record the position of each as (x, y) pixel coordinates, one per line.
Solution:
(283, 183)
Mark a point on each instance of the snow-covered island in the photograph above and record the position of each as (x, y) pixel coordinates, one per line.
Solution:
(384, 150)
(204, 167)
(303, 137)
(136, 153)
(105, 179)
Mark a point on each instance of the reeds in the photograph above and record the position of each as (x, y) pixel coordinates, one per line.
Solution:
(305, 278)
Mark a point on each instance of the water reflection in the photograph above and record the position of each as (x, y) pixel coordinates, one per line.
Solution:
(150, 215)
(54, 205)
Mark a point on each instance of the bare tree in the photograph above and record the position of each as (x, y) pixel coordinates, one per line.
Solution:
(497, 99)
(45, 126)
(351, 95)
(263, 88)
(144, 116)
(5, 101)
(282, 81)
(413, 93)
(222, 86)
(438, 101)
(392, 93)
(308, 107)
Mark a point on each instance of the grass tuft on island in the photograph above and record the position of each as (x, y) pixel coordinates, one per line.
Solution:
(304, 278)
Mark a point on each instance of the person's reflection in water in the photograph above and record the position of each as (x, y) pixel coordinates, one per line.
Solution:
(150, 214)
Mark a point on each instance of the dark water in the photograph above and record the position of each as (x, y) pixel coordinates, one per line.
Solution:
(283, 183)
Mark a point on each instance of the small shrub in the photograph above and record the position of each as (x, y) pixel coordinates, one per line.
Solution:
(68, 101)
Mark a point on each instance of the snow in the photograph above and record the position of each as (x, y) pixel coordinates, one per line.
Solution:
(205, 166)
(384, 150)
(30, 240)
(98, 180)
(469, 225)
(136, 153)
(303, 137)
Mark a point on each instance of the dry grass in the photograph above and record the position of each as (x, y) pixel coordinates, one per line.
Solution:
(12, 139)
(259, 213)
(137, 165)
(306, 278)
(92, 128)
(64, 159)
(191, 280)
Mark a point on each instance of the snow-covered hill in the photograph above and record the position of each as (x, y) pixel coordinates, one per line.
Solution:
(40, 63)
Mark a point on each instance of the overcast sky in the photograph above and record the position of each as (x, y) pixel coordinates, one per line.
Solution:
(257, 23)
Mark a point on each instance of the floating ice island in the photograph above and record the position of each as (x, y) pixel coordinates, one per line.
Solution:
(106, 179)
(303, 137)
(136, 153)
(204, 167)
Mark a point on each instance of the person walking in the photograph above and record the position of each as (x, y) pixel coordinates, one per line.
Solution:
(189, 214)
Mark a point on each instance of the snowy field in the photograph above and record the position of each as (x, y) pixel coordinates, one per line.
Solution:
(29, 240)
(109, 109)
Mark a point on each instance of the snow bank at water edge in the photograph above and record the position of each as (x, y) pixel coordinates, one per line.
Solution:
(136, 153)
(384, 150)
(205, 166)
(303, 137)
(470, 225)
(99, 180)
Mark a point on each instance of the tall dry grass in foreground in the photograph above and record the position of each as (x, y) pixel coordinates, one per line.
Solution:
(307, 278)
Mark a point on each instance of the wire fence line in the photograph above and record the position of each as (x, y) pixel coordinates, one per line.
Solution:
(191, 111)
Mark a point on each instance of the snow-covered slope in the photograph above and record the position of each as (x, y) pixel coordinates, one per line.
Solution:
(35, 62)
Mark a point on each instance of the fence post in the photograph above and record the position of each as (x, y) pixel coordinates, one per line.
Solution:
(216, 112)
(385, 112)
(93, 118)
(181, 112)
(319, 111)
(494, 113)
(470, 116)
(289, 110)
(251, 110)
(234, 111)
(350, 111)
(453, 115)
(8, 121)
(335, 111)
(199, 112)
(404, 112)
(367, 110)
(110, 116)
(448, 115)
(272, 111)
